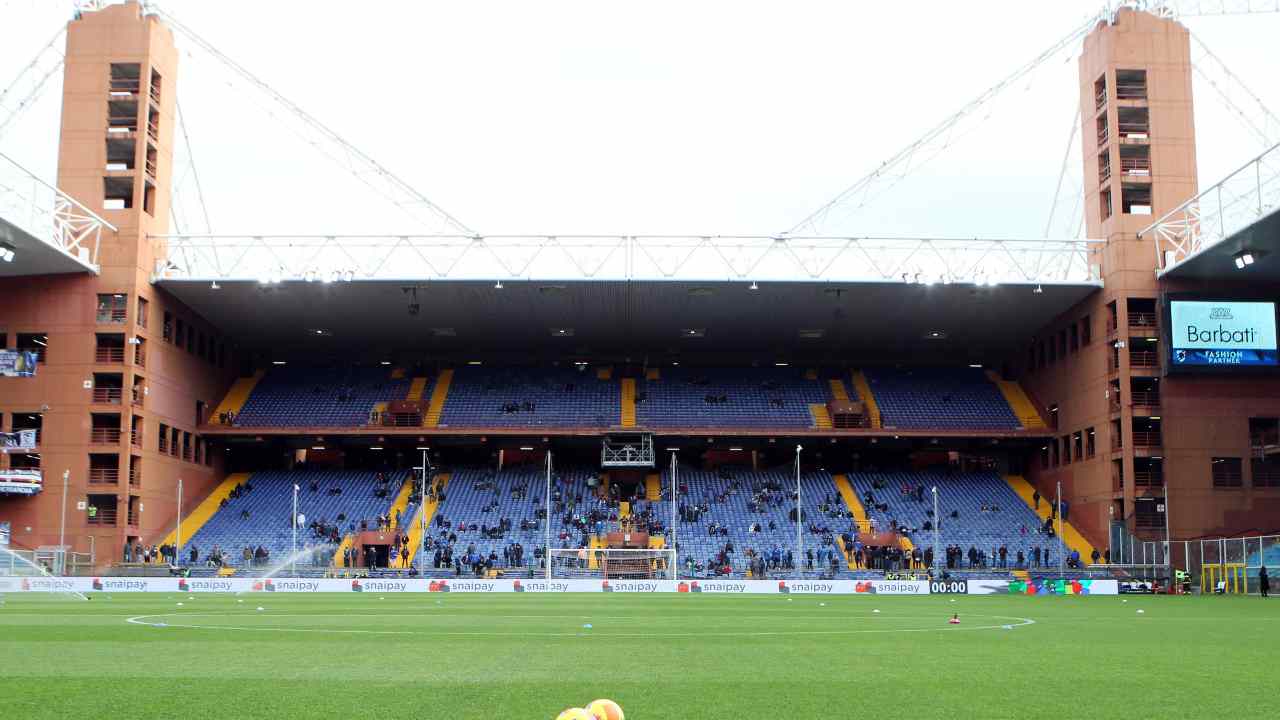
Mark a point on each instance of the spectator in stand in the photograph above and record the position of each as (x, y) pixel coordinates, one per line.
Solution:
(1264, 582)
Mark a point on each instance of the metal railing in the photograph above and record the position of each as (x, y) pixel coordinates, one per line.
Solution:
(1129, 129)
(1140, 167)
(1144, 399)
(1144, 320)
(1237, 201)
(50, 215)
(112, 315)
(271, 259)
(1148, 478)
(1131, 91)
(1146, 438)
(108, 354)
(107, 395)
(104, 475)
(108, 436)
(1144, 359)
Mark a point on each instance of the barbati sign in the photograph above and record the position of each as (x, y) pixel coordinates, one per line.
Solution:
(1223, 333)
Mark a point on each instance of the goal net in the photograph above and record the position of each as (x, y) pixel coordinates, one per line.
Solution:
(613, 563)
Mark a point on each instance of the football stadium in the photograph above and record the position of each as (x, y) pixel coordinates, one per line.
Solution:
(806, 472)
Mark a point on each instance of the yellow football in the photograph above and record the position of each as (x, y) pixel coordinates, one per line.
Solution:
(575, 714)
(605, 710)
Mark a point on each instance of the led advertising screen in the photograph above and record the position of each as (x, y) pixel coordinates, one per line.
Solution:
(1222, 333)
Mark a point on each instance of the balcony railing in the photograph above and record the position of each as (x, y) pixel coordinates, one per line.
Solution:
(109, 436)
(1265, 474)
(1104, 173)
(1104, 134)
(1131, 91)
(107, 395)
(125, 85)
(1144, 359)
(135, 474)
(1144, 320)
(188, 454)
(136, 395)
(135, 438)
(103, 516)
(1146, 438)
(112, 315)
(1140, 167)
(122, 123)
(1135, 130)
(164, 445)
(153, 131)
(1145, 399)
(107, 354)
(1100, 99)
(104, 475)
(139, 356)
(1148, 478)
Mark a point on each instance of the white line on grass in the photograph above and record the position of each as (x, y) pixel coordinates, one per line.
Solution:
(141, 620)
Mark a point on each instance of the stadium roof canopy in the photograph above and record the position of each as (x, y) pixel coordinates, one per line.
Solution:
(718, 321)
(47, 231)
(1236, 219)
(1260, 240)
(33, 256)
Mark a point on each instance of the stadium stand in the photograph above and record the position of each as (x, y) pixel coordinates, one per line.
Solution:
(904, 498)
(259, 515)
(728, 397)
(939, 398)
(754, 511)
(516, 397)
(489, 512)
(320, 397)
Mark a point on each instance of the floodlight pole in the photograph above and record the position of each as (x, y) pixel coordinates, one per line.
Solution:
(675, 485)
(177, 527)
(937, 520)
(799, 560)
(62, 527)
(422, 520)
(1168, 539)
(546, 550)
(293, 522)
(1062, 560)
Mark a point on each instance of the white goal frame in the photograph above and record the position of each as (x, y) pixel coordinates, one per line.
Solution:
(612, 563)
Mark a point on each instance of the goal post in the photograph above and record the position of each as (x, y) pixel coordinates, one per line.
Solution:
(612, 563)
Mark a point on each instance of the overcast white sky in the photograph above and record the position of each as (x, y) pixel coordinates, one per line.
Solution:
(658, 117)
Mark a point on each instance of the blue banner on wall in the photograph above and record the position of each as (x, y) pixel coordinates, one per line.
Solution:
(17, 363)
(1224, 357)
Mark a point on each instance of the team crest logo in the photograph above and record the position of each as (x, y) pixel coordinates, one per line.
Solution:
(97, 583)
(606, 587)
(438, 586)
(182, 585)
(356, 586)
(517, 586)
(865, 586)
(782, 587)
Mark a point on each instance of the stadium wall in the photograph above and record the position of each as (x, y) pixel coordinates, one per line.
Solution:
(182, 360)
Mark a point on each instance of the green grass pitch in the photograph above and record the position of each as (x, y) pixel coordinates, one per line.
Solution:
(529, 656)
